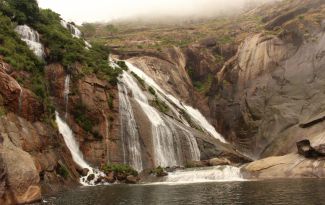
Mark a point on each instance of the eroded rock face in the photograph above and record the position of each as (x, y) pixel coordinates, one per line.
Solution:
(30, 153)
(99, 101)
(18, 99)
(268, 91)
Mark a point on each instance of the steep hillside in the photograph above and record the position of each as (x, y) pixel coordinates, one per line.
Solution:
(243, 72)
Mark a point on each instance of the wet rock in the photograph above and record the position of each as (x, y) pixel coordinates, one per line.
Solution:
(306, 150)
(121, 176)
(219, 161)
(162, 174)
(203, 163)
(110, 178)
(131, 179)
(84, 172)
(91, 177)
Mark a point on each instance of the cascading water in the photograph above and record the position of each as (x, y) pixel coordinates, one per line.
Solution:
(193, 113)
(166, 139)
(66, 93)
(70, 141)
(72, 28)
(31, 37)
(129, 131)
(77, 156)
(208, 174)
(20, 99)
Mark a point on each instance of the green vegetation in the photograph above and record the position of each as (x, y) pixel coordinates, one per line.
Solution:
(203, 86)
(160, 105)
(152, 91)
(110, 101)
(81, 118)
(140, 80)
(158, 171)
(122, 65)
(119, 168)
(2, 111)
(63, 171)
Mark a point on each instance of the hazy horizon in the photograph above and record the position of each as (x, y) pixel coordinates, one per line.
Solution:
(81, 11)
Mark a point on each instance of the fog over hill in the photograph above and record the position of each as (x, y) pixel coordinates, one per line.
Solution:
(104, 11)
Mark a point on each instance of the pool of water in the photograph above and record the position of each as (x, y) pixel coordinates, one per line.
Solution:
(293, 191)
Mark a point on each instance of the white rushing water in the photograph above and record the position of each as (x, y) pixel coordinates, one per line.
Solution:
(195, 114)
(77, 156)
(66, 93)
(31, 37)
(207, 174)
(166, 138)
(129, 131)
(72, 28)
(70, 141)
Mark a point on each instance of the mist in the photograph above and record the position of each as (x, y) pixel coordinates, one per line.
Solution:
(81, 11)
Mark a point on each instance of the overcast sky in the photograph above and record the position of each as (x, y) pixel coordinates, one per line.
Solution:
(105, 10)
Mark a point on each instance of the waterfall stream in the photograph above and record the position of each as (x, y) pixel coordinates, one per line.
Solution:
(31, 37)
(71, 143)
(66, 93)
(195, 114)
(165, 133)
(129, 132)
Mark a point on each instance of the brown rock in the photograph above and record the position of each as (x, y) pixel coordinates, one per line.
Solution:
(131, 179)
(219, 161)
(110, 178)
(23, 178)
(84, 172)
(91, 177)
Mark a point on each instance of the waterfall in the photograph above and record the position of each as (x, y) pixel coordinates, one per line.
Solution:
(195, 114)
(72, 28)
(31, 37)
(206, 174)
(77, 156)
(20, 99)
(165, 135)
(66, 93)
(129, 131)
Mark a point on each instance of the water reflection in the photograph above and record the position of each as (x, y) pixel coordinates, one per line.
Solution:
(301, 191)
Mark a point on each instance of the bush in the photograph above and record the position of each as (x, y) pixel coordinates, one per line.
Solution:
(79, 113)
(152, 91)
(157, 171)
(140, 80)
(160, 105)
(122, 65)
(120, 168)
(62, 171)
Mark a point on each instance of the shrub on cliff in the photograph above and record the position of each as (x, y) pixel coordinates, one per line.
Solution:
(120, 168)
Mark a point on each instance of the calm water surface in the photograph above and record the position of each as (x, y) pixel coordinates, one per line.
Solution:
(298, 191)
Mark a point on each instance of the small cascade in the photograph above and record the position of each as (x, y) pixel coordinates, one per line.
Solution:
(72, 28)
(207, 174)
(31, 37)
(195, 114)
(66, 93)
(20, 99)
(129, 131)
(77, 156)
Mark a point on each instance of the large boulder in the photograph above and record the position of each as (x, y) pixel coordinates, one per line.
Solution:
(22, 176)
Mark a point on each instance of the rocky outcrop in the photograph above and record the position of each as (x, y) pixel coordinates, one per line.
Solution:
(268, 96)
(30, 153)
(93, 100)
(287, 166)
(18, 99)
